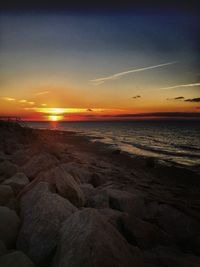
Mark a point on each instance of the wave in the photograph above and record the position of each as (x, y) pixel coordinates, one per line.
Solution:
(186, 147)
(163, 152)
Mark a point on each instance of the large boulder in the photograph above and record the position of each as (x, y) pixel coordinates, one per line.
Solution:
(143, 234)
(65, 185)
(43, 213)
(38, 163)
(88, 192)
(31, 196)
(15, 259)
(80, 174)
(87, 240)
(126, 202)
(94, 197)
(21, 157)
(114, 217)
(99, 199)
(7, 169)
(9, 226)
(184, 229)
(169, 257)
(6, 194)
(17, 182)
(2, 248)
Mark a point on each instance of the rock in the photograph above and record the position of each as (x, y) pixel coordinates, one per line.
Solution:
(2, 248)
(20, 157)
(127, 202)
(114, 217)
(13, 205)
(169, 257)
(17, 182)
(15, 259)
(7, 169)
(100, 200)
(65, 184)
(38, 163)
(43, 213)
(6, 194)
(143, 234)
(80, 174)
(3, 157)
(183, 228)
(87, 240)
(9, 226)
(29, 199)
(97, 179)
(88, 191)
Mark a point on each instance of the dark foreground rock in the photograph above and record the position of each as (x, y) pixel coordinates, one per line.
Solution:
(38, 163)
(6, 194)
(169, 257)
(2, 248)
(87, 240)
(16, 259)
(9, 226)
(65, 185)
(42, 214)
(17, 182)
(7, 169)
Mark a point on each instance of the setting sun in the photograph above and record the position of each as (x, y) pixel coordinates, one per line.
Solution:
(55, 118)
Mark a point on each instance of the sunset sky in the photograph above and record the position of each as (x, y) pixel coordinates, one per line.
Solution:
(99, 65)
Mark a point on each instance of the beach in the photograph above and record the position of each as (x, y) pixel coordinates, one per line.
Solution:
(68, 201)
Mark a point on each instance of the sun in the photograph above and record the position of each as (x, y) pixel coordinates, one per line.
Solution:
(55, 118)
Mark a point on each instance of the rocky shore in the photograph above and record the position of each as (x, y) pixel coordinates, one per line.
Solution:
(68, 202)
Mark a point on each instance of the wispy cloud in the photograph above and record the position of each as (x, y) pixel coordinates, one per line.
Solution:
(180, 86)
(118, 75)
(197, 99)
(22, 101)
(136, 96)
(176, 98)
(8, 98)
(42, 93)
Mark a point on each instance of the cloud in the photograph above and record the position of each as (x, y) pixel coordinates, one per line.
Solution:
(89, 110)
(118, 75)
(176, 98)
(136, 96)
(181, 86)
(193, 100)
(8, 98)
(31, 103)
(42, 93)
(22, 101)
(43, 105)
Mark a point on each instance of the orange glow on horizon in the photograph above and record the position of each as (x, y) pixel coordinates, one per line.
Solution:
(55, 118)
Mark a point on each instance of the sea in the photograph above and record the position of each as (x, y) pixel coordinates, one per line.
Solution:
(175, 142)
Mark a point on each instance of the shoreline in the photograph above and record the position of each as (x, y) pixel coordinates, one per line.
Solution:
(151, 210)
(135, 150)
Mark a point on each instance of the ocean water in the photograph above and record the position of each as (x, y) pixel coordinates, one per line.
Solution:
(175, 142)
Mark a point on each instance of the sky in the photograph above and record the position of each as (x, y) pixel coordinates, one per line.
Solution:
(118, 64)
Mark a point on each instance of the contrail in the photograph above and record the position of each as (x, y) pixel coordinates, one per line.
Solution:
(181, 85)
(42, 93)
(101, 80)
